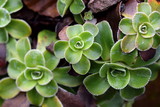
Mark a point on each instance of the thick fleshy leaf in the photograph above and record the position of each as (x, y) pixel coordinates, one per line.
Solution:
(126, 26)
(76, 43)
(13, 5)
(144, 7)
(146, 30)
(59, 48)
(49, 102)
(15, 68)
(51, 61)
(139, 77)
(22, 47)
(156, 41)
(33, 73)
(105, 39)
(128, 43)
(95, 66)
(18, 28)
(33, 58)
(93, 29)
(5, 17)
(45, 37)
(65, 4)
(94, 52)
(35, 98)
(3, 35)
(143, 44)
(3, 2)
(73, 57)
(155, 70)
(118, 56)
(95, 84)
(118, 79)
(78, 18)
(87, 38)
(154, 18)
(129, 93)
(74, 30)
(138, 19)
(82, 67)
(62, 77)
(23, 84)
(75, 4)
(48, 90)
(8, 88)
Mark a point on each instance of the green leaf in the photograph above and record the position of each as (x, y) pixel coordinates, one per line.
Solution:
(23, 46)
(65, 4)
(59, 48)
(105, 39)
(3, 2)
(3, 35)
(143, 44)
(87, 38)
(95, 84)
(89, 27)
(23, 84)
(118, 78)
(78, 18)
(75, 4)
(35, 98)
(103, 70)
(62, 77)
(95, 66)
(5, 17)
(15, 68)
(94, 52)
(154, 18)
(74, 30)
(49, 102)
(48, 90)
(129, 93)
(138, 19)
(73, 57)
(144, 7)
(139, 77)
(128, 43)
(8, 88)
(13, 5)
(155, 70)
(33, 58)
(33, 73)
(82, 67)
(118, 56)
(76, 43)
(45, 37)
(156, 41)
(51, 61)
(126, 26)
(18, 28)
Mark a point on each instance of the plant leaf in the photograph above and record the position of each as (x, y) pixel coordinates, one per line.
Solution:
(8, 88)
(49, 102)
(13, 5)
(98, 87)
(22, 47)
(35, 98)
(75, 4)
(15, 68)
(62, 77)
(154, 18)
(18, 28)
(4, 35)
(78, 18)
(82, 67)
(139, 77)
(5, 18)
(105, 39)
(144, 7)
(48, 90)
(33, 58)
(156, 41)
(3, 2)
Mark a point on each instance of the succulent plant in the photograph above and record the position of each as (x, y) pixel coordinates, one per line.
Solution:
(141, 31)
(80, 47)
(88, 15)
(63, 5)
(15, 27)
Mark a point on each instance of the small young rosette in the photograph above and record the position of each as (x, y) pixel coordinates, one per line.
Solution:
(15, 27)
(80, 47)
(141, 31)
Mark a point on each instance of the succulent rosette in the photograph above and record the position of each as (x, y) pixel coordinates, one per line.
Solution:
(141, 30)
(15, 27)
(80, 47)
